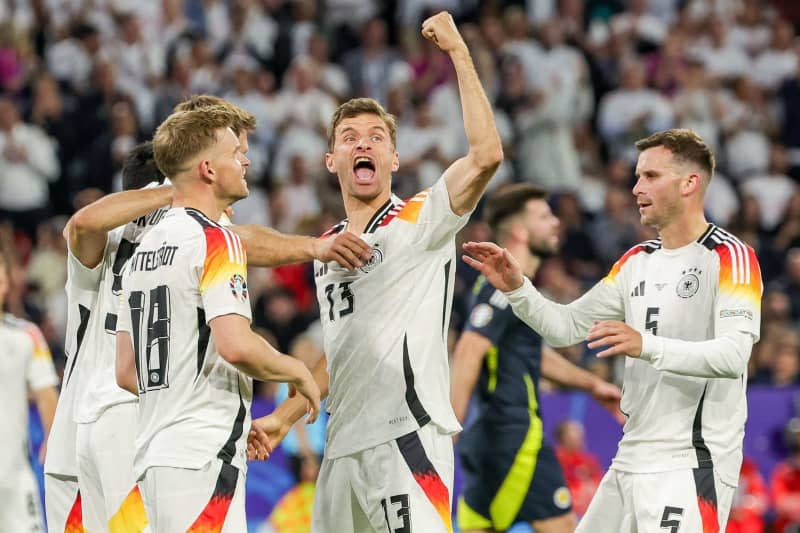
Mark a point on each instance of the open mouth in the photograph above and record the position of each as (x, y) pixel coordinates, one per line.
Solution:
(364, 169)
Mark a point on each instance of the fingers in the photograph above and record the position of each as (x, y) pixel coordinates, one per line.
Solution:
(346, 258)
(313, 413)
(259, 446)
(474, 263)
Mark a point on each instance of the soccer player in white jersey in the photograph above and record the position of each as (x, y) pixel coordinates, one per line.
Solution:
(184, 342)
(26, 366)
(107, 414)
(685, 310)
(389, 455)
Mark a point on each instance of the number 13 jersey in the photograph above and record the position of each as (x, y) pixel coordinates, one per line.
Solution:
(193, 405)
(385, 325)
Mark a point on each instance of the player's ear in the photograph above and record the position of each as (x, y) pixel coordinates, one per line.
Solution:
(329, 163)
(691, 184)
(206, 170)
(395, 162)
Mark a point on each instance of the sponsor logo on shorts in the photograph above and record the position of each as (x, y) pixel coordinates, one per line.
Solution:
(562, 498)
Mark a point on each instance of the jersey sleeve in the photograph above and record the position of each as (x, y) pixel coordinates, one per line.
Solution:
(738, 304)
(81, 276)
(41, 371)
(433, 217)
(490, 313)
(223, 278)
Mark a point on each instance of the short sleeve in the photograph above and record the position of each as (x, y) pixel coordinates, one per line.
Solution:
(738, 305)
(490, 313)
(223, 279)
(81, 276)
(430, 211)
(41, 372)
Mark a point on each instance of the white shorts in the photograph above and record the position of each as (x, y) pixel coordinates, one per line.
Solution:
(209, 499)
(665, 502)
(62, 504)
(393, 485)
(109, 494)
(20, 508)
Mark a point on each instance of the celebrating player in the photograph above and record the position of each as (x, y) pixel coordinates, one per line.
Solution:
(184, 342)
(691, 304)
(513, 474)
(389, 456)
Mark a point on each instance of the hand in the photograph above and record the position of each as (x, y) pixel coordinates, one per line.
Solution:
(265, 434)
(307, 387)
(608, 395)
(347, 249)
(259, 445)
(495, 263)
(441, 29)
(622, 339)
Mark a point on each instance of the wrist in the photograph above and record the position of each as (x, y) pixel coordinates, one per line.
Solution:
(459, 52)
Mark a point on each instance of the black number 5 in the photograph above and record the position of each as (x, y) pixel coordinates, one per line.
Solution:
(651, 320)
(673, 524)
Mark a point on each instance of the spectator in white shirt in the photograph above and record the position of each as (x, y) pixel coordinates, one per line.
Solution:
(779, 61)
(28, 162)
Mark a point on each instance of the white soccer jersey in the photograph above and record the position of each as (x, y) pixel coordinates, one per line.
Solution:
(25, 364)
(385, 325)
(81, 287)
(193, 405)
(101, 390)
(701, 291)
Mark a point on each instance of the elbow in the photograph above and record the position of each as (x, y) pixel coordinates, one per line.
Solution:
(231, 352)
(126, 380)
(82, 222)
(489, 158)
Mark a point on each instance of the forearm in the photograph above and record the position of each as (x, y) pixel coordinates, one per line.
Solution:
(293, 409)
(558, 324)
(46, 400)
(562, 371)
(267, 247)
(723, 357)
(257, 358)
(464, 377)
(479, 125)
(117, 209)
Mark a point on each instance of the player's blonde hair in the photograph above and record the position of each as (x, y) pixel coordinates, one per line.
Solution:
(685, 145)
(241, 121)
(185, 134)
(361, 106)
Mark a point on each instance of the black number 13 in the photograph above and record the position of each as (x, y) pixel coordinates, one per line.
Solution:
(346, 296)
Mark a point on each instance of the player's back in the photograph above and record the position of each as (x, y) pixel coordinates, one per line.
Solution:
(509, 380)
(193, 405)
(100, 389)
(693, 293)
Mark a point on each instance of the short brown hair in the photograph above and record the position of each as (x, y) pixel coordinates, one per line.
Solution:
(508, 200)
(685, 145)
(185, 134)
(241, 120)
(362, 106)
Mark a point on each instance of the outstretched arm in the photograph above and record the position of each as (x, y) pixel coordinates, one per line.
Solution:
(267, 247)
(467, 177)
(87, 230)
(558, 324)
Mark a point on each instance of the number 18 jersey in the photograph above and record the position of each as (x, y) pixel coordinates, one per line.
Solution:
(193, 405)
(385, 325)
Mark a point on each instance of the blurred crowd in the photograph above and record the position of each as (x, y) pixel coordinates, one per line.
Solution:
(574, 83)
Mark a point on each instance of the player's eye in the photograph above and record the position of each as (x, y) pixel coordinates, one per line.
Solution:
(377, 138)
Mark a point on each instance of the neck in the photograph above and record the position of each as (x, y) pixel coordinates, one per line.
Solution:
(360, 212)
(528, 261)
(683, 231)
(198, 196)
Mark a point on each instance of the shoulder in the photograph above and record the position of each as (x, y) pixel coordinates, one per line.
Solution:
(335, 229)
(643, 248)
(725, 243)
(26, 329)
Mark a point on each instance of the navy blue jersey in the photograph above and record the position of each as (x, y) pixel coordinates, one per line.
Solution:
(510, 372)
